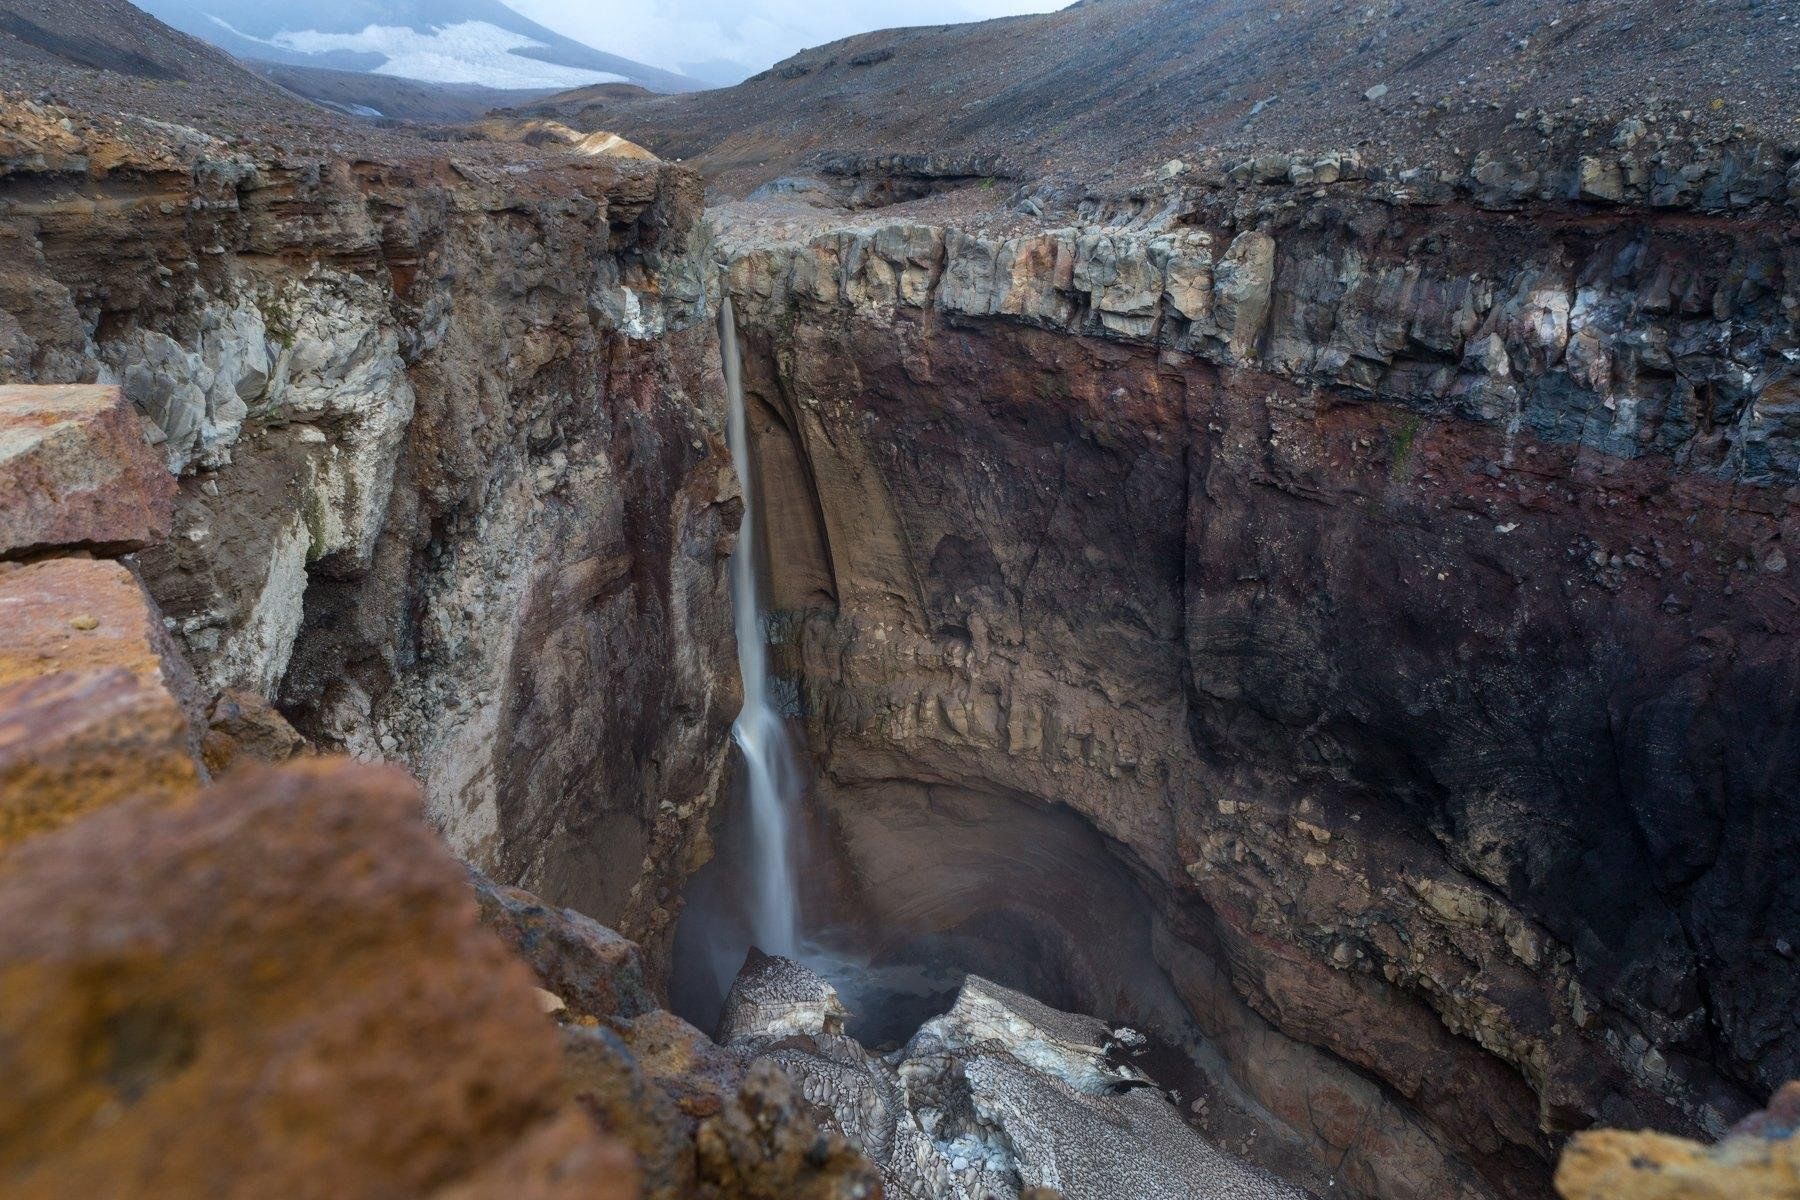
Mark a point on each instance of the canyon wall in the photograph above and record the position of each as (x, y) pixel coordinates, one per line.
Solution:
(453, 488)
(1396, 578)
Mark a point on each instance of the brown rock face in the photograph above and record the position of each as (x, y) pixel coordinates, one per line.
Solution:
(279, 989)
(590, 968)
(445, 418)
(75, 472)
(89, 713)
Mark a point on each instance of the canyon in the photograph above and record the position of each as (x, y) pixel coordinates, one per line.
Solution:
(1286, 630)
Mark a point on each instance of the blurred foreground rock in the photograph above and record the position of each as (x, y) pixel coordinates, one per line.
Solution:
(1758, 1160)
(280, 988)
(90, 710)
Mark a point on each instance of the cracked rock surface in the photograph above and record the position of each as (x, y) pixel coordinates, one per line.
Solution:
(998, 1096)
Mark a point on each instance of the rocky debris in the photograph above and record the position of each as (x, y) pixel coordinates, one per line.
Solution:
(999, 1097)
(93, 703)
(697, 1123)
(244, 727)
(859, 181)
(774, 998)
(769, 1146)
(1093, 98)
(1758, 1160)
(75, 472)
(281, 988)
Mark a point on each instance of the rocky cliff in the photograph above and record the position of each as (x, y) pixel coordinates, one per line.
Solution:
(1390, 571)
(451, 483)
(1330, 611)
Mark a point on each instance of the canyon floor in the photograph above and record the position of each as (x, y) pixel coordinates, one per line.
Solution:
(1277, 533)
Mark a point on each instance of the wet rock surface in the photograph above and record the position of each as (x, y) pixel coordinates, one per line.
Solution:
(997, 1097)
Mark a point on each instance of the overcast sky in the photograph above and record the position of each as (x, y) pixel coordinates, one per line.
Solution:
(724, 40)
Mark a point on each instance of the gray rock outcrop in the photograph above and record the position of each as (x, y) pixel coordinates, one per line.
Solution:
(998, 1096)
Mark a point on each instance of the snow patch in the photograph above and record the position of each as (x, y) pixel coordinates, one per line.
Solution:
(466, 52)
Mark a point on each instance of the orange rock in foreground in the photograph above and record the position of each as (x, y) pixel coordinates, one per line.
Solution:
(279, 989)
(75, 471)
(1758, 1160)
(88, 710)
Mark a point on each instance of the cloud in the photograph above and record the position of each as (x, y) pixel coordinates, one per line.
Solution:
(735, 38)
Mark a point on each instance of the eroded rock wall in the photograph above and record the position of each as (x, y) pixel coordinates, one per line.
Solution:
(452, 490)
(1401, 589)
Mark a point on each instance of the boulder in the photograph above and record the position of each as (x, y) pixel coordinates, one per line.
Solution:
(767, 1145)
(241, 726)
(75, 471)
(280, 989)
(593, 970)
(89, 704)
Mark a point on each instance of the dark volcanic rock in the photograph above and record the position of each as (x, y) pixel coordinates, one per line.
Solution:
(446, 423)
(1103, 95)
(1400, 589)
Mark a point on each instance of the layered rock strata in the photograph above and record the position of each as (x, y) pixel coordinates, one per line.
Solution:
(445, 432)
(1398, 585)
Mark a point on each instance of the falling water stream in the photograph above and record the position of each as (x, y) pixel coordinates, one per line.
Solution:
(755, 900)
(770, 770)
(773, 782)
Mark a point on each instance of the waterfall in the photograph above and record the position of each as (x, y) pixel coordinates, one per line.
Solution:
(770, 775)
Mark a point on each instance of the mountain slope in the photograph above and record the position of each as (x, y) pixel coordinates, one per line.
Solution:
(479, 42)
(1117, 86)
(110, 54)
